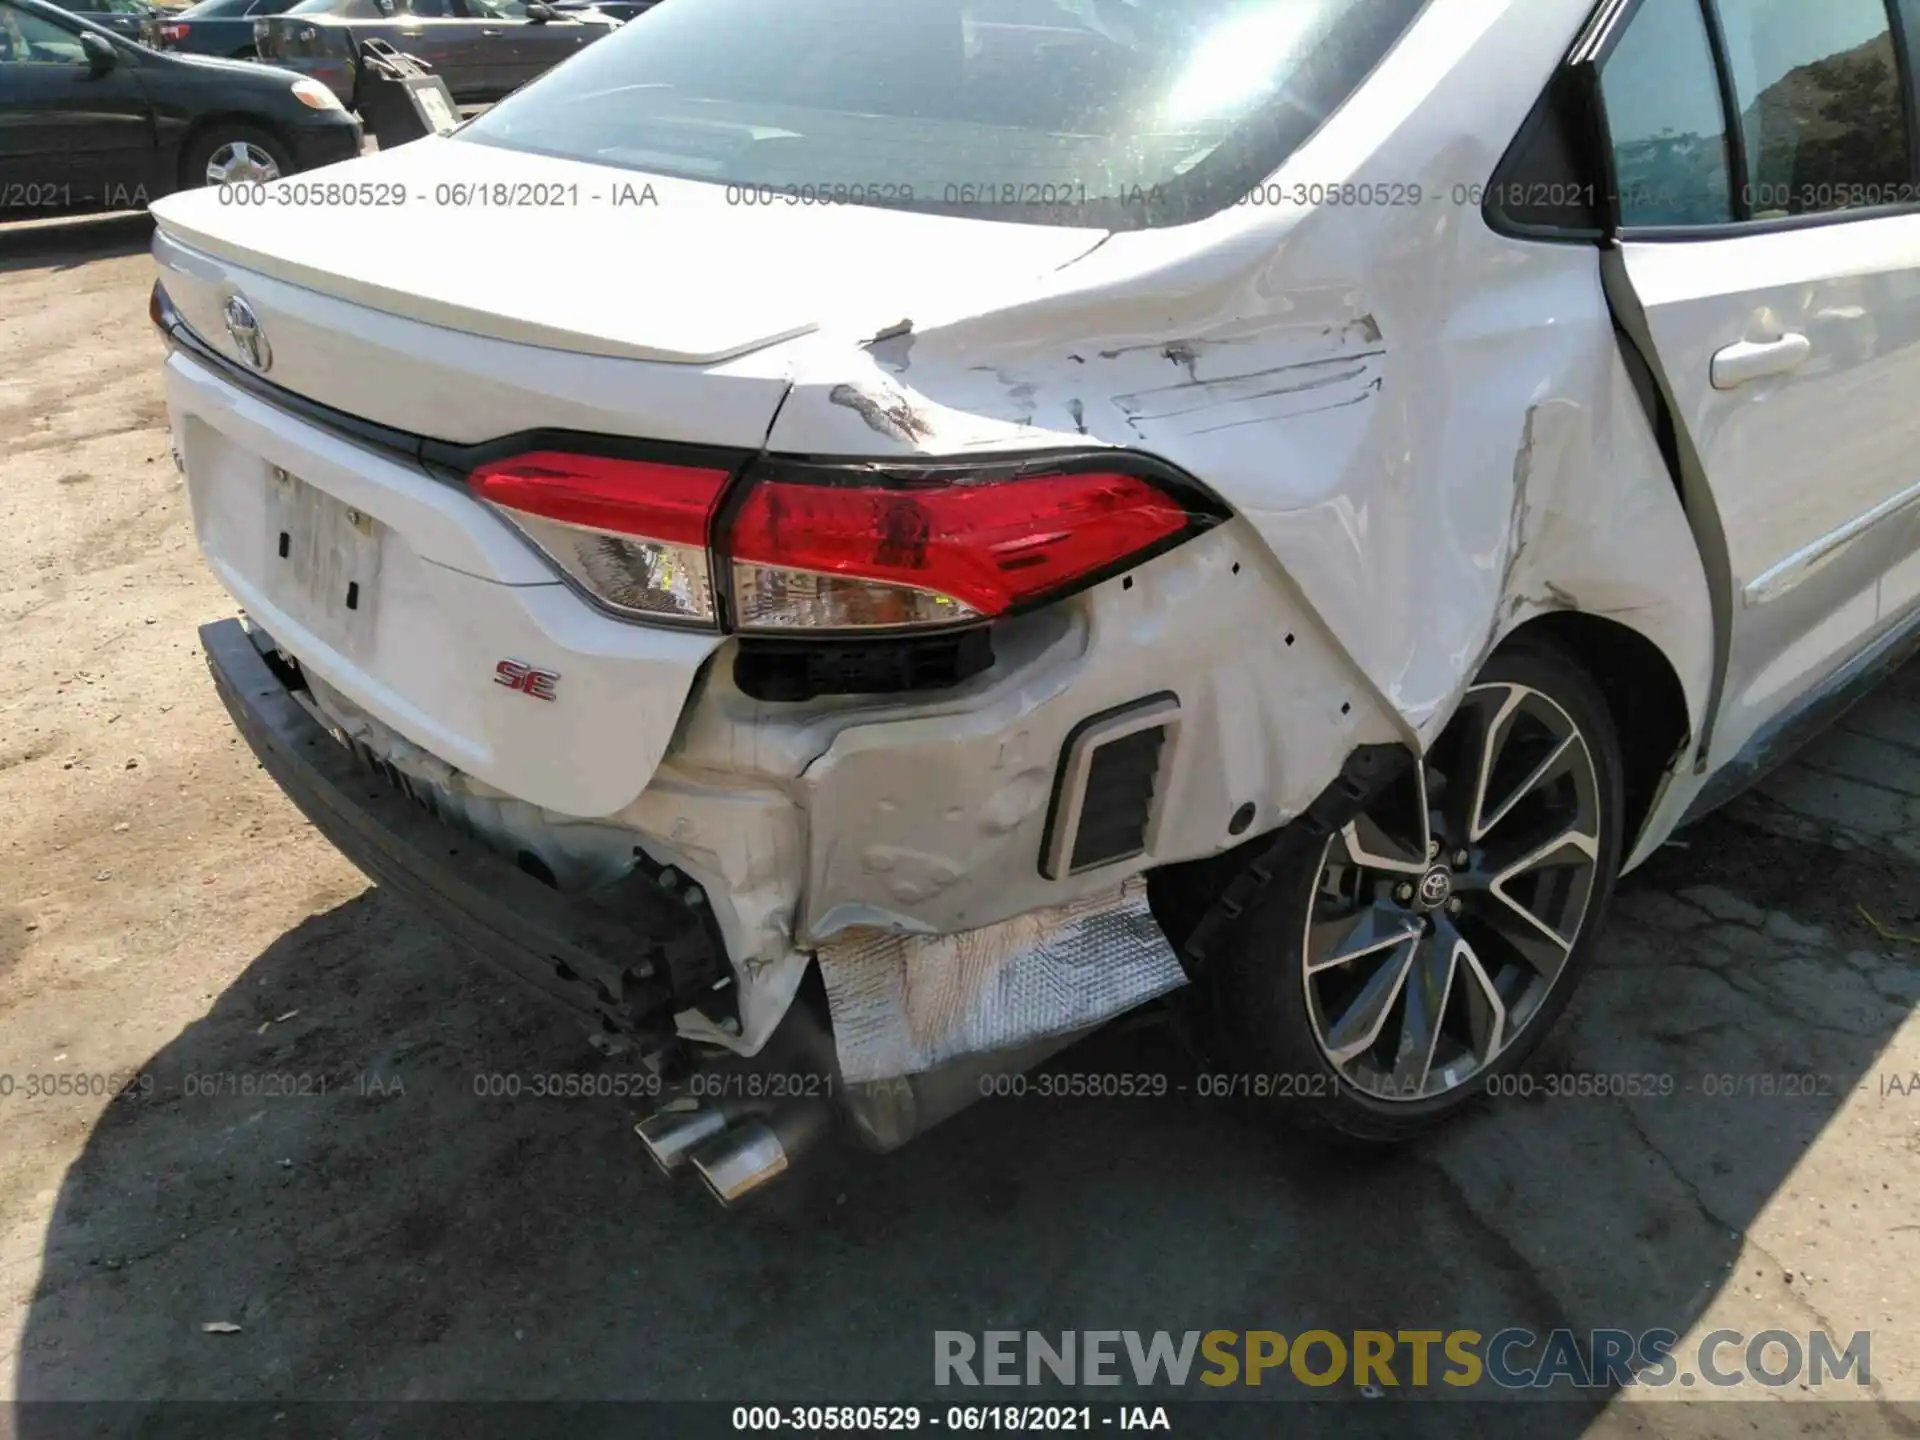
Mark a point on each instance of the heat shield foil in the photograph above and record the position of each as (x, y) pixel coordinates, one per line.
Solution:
(902, 1004)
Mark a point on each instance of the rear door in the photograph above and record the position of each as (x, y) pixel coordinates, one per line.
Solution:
(518, 49)
(68, 138)
(461, 48)
(1763, 157)
(544, 44)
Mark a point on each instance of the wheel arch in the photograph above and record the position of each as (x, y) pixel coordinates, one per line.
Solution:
(1644, 695)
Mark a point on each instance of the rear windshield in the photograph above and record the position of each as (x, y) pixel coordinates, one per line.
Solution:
(1120, 114)
(345, 9)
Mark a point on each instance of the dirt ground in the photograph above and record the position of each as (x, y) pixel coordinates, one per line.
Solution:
(387, 1233)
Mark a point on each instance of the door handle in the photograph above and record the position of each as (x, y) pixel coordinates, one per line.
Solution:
(491, 34)
(1751, 359)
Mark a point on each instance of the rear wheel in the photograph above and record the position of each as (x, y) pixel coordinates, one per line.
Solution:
(1429, 944)
(233, 154)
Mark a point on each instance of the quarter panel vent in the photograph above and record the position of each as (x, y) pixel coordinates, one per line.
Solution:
(1107, 790)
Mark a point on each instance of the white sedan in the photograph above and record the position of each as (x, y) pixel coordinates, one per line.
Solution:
(1061, 500)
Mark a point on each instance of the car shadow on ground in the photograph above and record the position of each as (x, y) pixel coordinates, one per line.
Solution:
(322, 1163)
(68, 244)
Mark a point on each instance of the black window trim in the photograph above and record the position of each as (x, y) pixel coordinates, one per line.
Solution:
(1596, 42)
(1733, 137)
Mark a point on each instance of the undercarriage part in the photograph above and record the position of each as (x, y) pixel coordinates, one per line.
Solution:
(694, 960)
(886, 1114)
(738, 1143)
(902, 1004)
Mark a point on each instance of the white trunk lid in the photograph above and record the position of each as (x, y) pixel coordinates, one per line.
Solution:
(659, 320)
(603, 261)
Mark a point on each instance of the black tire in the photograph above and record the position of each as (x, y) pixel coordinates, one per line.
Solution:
(221, 134)
(1263, 1021)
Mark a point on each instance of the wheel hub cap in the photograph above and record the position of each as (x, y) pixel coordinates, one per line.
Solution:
(238, 163)
(1434, 890)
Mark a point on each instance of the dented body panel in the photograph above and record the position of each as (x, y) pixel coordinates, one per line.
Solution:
(1427, 423)
(1423, 432)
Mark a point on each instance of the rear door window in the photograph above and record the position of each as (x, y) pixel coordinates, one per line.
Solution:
(1822, 113)
(31, 40)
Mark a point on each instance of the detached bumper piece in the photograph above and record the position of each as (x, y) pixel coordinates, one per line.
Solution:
(611, 955)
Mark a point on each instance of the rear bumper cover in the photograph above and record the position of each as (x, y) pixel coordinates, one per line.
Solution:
(605, 955)
(900, 1004)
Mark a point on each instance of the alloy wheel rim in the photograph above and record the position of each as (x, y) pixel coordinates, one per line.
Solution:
(239, 163)
(1444, 915)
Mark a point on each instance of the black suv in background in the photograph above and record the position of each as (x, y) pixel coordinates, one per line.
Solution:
(213, 27)
(90, 121)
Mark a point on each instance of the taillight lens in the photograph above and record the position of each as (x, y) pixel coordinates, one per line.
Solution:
(160, 309)
(632, 533)
(810, 548)
(847, 553)
(174, 30)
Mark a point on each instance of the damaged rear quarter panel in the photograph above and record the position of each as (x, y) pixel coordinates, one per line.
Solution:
(926, 815)
(1425, 422)
(935, 823)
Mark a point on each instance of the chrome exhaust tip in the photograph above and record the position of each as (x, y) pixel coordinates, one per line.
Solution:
(741, 1161)
(757, 1151)
(672, 1135)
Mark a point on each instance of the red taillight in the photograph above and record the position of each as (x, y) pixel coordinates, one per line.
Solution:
(174, 30)
(813, 548)
(632, 532)
(839, 555)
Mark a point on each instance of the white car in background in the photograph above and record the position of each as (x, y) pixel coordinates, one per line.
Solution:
(1062, 499)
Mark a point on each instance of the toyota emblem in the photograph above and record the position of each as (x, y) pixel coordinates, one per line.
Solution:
(1436, 888)
(243, 328)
